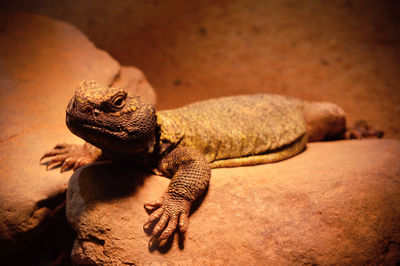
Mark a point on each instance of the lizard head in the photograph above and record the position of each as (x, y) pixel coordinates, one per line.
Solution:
(110, 118)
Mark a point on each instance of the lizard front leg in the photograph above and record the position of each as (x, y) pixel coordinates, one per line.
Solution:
(71, 156)
(190, 174)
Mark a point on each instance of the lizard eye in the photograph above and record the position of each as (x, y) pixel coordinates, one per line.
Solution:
(117, 102)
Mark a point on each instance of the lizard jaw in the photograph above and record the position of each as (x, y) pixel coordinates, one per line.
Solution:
(120, 134)
(79, 125)
(104, 138)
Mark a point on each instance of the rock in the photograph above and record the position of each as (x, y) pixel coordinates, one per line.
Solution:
(133, 80)
(41, 62)
(337, 202)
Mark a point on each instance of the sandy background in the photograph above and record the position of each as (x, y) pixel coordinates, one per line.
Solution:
(342, 51)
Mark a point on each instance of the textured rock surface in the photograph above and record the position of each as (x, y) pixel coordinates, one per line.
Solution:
(337, 202)
(41, 61)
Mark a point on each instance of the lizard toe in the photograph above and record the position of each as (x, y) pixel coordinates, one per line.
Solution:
(183, 222)
(67, 164)
(61, 146)
(153, 205)
(169, 230)
(152, 218)
(158, 228)
(52, 152)
(55, 161)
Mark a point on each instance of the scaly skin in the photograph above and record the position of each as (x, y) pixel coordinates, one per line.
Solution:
(185, 143)
(240, 127)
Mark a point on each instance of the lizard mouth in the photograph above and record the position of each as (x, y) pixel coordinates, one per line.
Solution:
(110, 139)
(76, 124)
(119, 133)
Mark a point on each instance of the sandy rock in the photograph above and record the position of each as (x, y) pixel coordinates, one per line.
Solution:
(337, 202)
(41, 62)
(133, 80)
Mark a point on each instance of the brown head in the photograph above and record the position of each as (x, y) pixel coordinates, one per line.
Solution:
(110, 118)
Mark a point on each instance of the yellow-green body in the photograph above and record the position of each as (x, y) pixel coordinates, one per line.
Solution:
(238, 130)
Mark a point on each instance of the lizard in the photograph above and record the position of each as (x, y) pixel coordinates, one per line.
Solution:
(185, 143)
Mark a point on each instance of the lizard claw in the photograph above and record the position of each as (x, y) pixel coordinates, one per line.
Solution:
(360, 133)
(362, 130)
(68, 156)
(170, 214)
(57, 150)
(52, 164)
(67, 164)
(55, 161)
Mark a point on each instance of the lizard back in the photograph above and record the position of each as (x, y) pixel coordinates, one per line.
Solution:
(238, 130)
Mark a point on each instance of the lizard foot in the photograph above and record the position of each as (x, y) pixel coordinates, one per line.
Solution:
(168, 213)
(68, 156)
(362, 130)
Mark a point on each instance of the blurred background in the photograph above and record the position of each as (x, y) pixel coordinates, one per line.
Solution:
(343, 51)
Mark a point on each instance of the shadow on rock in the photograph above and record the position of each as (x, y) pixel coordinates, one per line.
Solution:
(106, 181)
